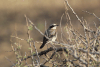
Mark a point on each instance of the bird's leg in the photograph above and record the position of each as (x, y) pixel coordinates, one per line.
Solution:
(47, 46)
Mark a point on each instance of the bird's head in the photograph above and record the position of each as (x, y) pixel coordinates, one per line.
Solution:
(53, 26)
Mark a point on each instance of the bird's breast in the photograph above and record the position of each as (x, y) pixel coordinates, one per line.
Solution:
(54, 38)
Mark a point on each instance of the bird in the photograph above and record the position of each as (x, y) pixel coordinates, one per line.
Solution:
(50, 33)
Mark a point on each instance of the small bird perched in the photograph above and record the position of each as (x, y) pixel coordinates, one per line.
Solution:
(50, 33)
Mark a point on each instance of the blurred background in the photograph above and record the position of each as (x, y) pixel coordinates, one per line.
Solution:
(38, 11)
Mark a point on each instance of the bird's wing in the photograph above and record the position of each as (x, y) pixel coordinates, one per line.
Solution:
(44, 40)
(52, 34)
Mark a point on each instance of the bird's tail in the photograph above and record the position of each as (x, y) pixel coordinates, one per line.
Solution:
(42, 45)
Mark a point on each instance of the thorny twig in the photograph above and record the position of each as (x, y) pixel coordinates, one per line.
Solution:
(92, 14)
(37, 54)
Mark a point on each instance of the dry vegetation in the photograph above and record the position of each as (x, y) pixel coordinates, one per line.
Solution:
(78, 43)
(76, 50)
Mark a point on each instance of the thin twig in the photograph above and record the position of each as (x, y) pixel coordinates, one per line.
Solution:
(30, 44)
(92, 14)
(9, 60)
(37, 54)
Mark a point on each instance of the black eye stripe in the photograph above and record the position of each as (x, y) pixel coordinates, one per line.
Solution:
(52, 26)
